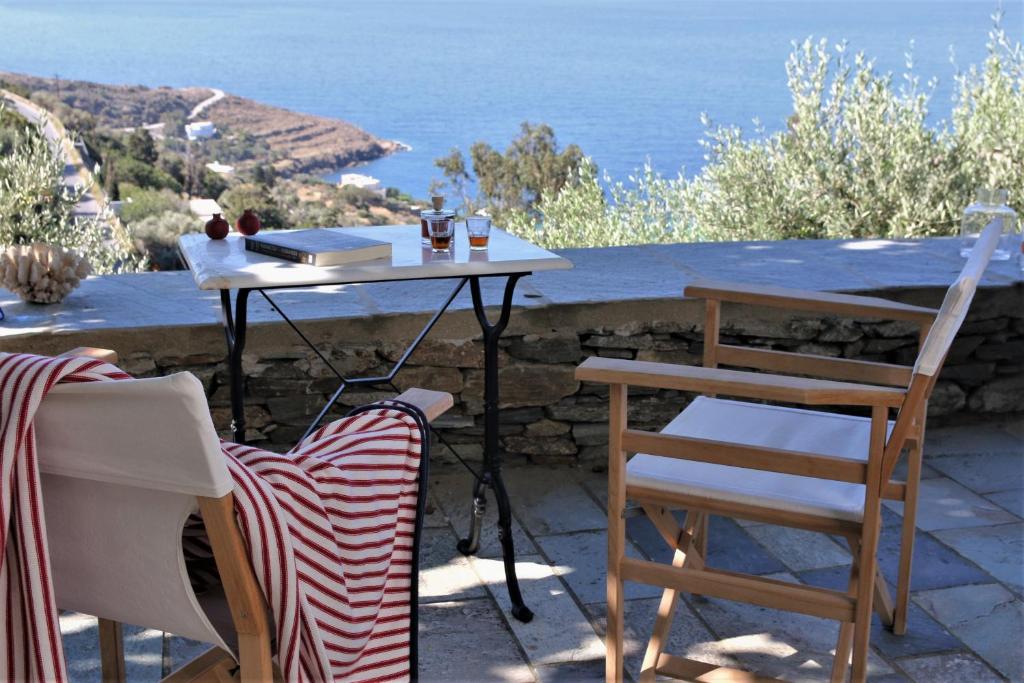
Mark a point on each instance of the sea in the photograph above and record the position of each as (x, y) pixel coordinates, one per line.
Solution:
(626, 80)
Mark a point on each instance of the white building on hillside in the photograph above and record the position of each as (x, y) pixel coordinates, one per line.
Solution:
(364, 182)
(223, 169)
(200, 130)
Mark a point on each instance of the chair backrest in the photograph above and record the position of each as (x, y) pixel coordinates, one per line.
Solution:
(122, 464)
(936, 345)
(956, 303)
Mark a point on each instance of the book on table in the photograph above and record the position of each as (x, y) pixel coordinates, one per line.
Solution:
(318, 247)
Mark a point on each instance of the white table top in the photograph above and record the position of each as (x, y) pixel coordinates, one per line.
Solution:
(225, 264)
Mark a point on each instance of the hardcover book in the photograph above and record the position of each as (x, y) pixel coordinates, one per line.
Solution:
(318, 247)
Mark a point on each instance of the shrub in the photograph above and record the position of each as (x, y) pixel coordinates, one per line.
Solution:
(126, 169)
(36, 206)
(260, 199)
(157, 236)
(857, 159)
(140, 203)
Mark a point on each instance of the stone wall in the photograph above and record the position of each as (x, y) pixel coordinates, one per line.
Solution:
(547, 416)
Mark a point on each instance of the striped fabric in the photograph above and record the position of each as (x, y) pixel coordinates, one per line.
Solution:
(329, 528)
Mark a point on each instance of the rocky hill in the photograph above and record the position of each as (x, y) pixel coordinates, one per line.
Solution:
(297, 143)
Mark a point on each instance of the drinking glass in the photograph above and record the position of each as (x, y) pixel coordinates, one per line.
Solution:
(479, 229)
(441, 233)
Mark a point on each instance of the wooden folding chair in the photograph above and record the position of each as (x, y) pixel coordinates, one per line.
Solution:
(123, 466)
(796, 467)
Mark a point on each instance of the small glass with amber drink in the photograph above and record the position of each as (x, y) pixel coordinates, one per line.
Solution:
(479, 229)
(441, 231)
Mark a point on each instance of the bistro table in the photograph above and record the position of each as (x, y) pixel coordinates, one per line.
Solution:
(225, 265)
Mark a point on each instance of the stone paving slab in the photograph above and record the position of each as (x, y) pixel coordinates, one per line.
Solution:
(689, 636)
(468, 641)
(945, 504)
(924, 636)
(978, 439)
(581, 559)
(999, 550)
(988, 619)
(572, 672)
(184, 650)
(730, 547)
(549, 503)
(559, 632)
(453, 492)
(1011, 501)
(949, 667)
(798, 549)
(934, 566)
(445, 573)
(775, 643)
(143, 649)
(984, 472)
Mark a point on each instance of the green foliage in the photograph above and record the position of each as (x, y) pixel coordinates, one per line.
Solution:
(140, 146)
(36, 206)
(16, 88)
(140, 203)
(126, 169)
(236, 199)
(512, 182)
(857, 159)
(157, 236)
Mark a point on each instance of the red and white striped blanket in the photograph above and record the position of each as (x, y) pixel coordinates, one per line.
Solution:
(329, 527)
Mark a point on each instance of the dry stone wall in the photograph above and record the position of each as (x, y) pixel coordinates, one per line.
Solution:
(547, 415)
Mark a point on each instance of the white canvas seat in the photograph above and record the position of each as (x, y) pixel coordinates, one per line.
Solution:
(756, 424)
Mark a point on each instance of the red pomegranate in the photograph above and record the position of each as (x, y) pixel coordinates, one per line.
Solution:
(248, 223)
(217, 228)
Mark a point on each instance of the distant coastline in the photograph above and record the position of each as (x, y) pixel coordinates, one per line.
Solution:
(291, 142)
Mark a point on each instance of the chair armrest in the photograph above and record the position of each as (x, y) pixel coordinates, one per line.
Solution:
(805, 300)
(736, 383)
(432, 404)
(91, 352)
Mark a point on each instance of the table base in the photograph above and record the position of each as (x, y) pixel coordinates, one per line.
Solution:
(489, 478)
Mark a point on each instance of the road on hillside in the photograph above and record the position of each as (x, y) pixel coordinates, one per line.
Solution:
(218, 95)
(88, 207)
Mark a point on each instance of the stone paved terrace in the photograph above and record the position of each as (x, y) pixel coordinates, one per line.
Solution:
(966, 618)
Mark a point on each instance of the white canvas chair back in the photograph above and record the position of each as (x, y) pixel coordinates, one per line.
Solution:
(122, 464)
(956, 303)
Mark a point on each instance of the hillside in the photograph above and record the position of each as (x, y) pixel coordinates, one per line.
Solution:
(296, 142)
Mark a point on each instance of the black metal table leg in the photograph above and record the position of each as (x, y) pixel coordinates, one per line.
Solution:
(491, 477)
(234, 331)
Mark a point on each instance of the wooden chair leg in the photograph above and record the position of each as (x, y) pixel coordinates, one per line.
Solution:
(882, 600)
(669, 601)
(702, 536)
(899, 623)
(615, 636)
(111, 651)
(841, 662)
(867, 565)
(245, 598)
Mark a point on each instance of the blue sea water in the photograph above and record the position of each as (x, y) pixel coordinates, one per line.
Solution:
(627, 80)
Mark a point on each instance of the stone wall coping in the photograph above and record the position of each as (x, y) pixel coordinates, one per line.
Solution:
(610, 274)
